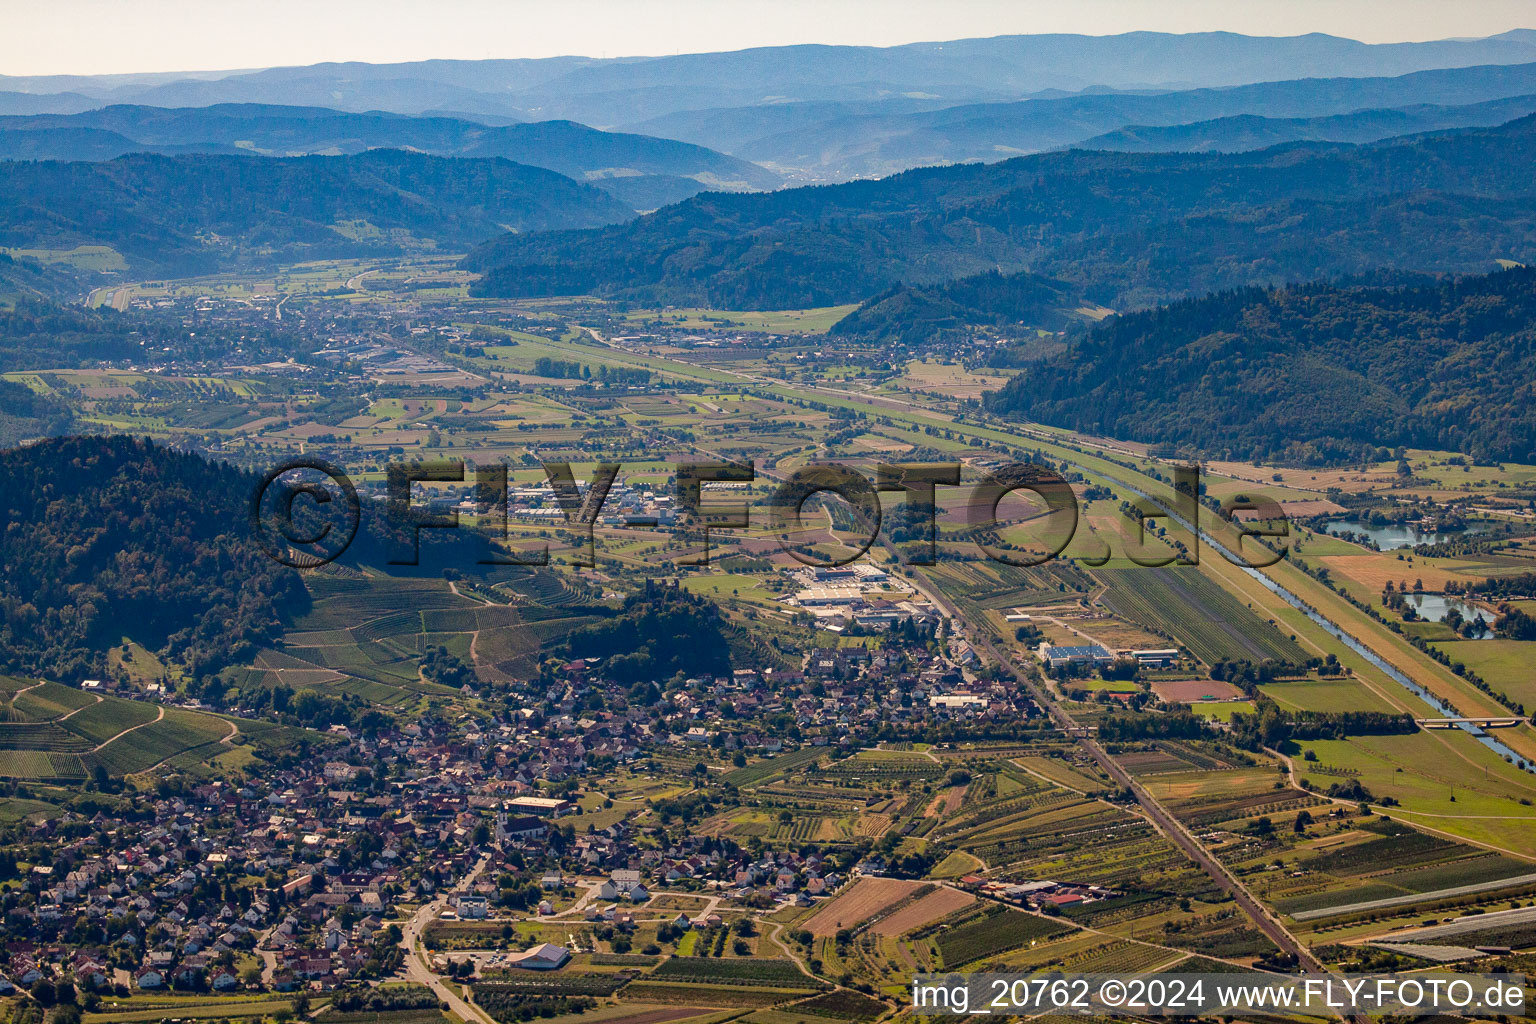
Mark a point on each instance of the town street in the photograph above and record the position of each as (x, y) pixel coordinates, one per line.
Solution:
(416, 967)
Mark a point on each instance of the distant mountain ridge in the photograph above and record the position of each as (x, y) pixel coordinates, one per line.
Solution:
(624, 90)
(875, 142)
(644, 172)
(184, 215)
(809, 113)
(1124, 230)
(1251, 131)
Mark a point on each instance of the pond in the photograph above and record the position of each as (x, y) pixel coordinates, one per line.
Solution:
(1400, 535)
(1434, 607)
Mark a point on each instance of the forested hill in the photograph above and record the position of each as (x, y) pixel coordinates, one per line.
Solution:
(109, 537)
(1125, 230)
(1311, 373)
(1011, 304)
(189, 214)
(623, 164)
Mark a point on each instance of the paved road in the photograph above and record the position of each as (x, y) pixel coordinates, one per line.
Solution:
(416, 967)
(1161, 818)
(1159, 815)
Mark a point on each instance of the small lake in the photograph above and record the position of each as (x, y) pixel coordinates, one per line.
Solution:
(1433, 608)
(1394, 536)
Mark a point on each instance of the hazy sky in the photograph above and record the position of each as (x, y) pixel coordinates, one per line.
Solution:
(115, 36)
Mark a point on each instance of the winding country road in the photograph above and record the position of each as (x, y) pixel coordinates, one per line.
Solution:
(159, 717)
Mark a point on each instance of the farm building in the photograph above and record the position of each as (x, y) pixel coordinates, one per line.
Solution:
(1092, 655)
(546, 956)
(1156, 658)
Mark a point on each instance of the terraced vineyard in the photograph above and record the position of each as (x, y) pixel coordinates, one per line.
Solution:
(783, 764)
(39, 764)
(58, 732)
(144, 748)
(370, 632)
(40, 736)
(100, 722)
(50, 700)
(841, 1005)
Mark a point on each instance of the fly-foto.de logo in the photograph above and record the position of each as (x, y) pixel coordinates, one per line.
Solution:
(306, 512)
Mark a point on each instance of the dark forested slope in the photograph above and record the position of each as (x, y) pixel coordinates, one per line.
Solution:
(113, 537)
(1123, 229)
(1006, 303)
(1312, 373)
(661, 631)
(189, 214)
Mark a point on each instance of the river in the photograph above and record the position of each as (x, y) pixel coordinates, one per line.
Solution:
(1338, 632)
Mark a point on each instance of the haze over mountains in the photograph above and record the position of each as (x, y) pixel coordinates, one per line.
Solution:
(641, 171)
(801, 114)
(620, 91)
(1127, 230)
(1121, 230)
(837, 145)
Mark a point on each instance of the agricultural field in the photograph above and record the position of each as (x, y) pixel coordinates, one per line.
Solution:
(1344, 837)
(207, 1008)
(948, 380)
(1504, 663)
(1326, 694)
(1442, 779)
(711, 982)
(939, 902)
(992, 932)
(784, 321)
(856, 904)
(56, 732)
(1186, 605)
(1352, 873)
